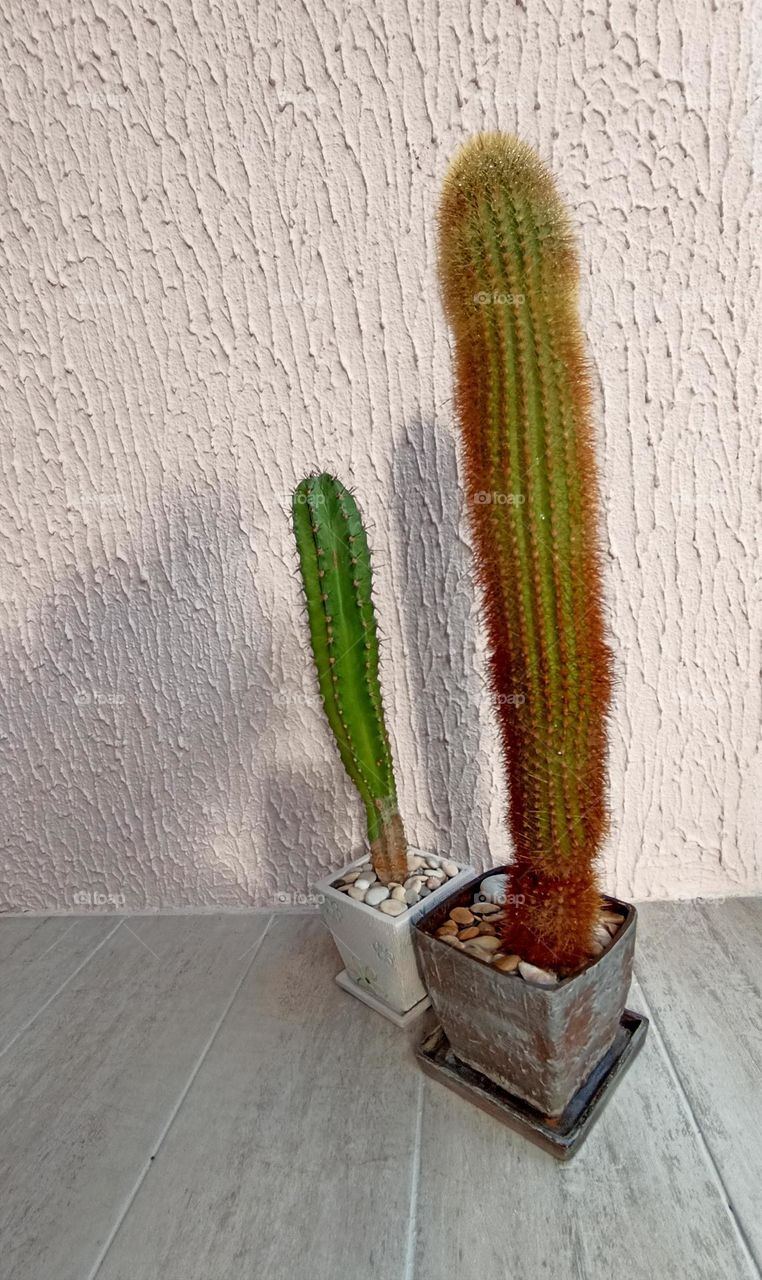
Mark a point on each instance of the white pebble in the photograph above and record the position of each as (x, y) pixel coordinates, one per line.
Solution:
(414, 862)
(377, 893)
(434, 882)
(350, 878)
(540, 977)
(392, 907)
(492, 889)
(414, 883)
(398, 893)
(478, 952)
(363, 883)
(411, 897)
(450, 869)
(354, 892)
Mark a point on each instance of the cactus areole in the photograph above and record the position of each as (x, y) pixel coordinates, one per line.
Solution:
(337, 578)
(509, 279)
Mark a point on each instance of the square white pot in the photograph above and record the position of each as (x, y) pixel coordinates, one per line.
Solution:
(377, 949)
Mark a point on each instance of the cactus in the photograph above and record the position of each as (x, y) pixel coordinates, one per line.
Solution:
(509, 275)
(336, 574)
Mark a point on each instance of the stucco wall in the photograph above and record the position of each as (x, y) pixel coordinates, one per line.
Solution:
(218, 272)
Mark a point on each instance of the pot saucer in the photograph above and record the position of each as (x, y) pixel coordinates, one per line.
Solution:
(563, 1135)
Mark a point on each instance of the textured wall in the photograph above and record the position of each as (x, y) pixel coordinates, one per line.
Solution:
(218, 272)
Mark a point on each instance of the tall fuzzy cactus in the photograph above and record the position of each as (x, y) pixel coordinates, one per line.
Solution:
(337, 579)
(509, 276)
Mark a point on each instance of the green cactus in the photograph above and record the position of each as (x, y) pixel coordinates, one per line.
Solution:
(509, 277)
(337, 579)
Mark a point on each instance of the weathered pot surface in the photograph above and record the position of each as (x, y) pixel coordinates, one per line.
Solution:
(538, 1043)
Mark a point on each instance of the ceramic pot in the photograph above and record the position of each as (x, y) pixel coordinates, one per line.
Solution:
(377, 949)
(538, 1043)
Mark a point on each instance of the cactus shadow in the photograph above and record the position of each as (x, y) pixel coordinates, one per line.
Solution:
(141, 750)
(436, 613)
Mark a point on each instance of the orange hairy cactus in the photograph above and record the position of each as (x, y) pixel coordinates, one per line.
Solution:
(509, 278)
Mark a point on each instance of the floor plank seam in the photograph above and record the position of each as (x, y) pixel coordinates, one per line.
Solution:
(744, 1241)
(99, 1261)
(59, 940)
(46, 1004)
(415, 1178)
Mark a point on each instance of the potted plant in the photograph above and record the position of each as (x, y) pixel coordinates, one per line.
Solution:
(370, 905)
(528, 968)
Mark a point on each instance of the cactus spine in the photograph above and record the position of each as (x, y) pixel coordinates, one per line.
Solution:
(337, 578)
(509, 277)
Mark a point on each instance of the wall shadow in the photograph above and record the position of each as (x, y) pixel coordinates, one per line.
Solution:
(142, 755)
(436, 607)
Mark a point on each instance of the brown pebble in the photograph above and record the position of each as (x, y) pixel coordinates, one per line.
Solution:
(611, 917)
(449, 926)
(486, 944)
(488, 929)
(506, 964)
(485, 908)
(465, 934)
(461, 915)
(452, 941)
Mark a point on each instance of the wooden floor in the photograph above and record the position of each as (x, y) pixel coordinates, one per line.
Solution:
(193, 1098)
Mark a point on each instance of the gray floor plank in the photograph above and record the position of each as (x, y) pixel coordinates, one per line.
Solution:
(37, 957)
(293, 1152)
(15, 930)
(87, 1091)
(639, 1201)
(701, 969)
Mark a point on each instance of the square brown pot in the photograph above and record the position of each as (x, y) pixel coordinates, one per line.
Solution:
(538, 1043)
